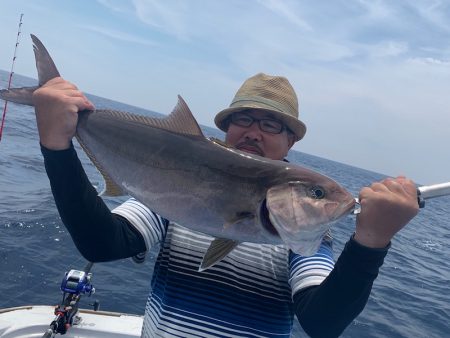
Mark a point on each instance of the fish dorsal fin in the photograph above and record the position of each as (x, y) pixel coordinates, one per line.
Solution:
(218, 249)
(180, 120)
(111, 188)
(44, 63)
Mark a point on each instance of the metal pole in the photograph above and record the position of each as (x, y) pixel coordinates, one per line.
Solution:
(435, 190)
(11, 75)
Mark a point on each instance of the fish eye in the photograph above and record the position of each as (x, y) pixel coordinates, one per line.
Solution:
(317, 192)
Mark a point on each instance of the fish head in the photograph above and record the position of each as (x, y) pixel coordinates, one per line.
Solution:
(303, 211)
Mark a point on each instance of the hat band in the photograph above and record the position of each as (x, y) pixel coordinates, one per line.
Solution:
(258, 99)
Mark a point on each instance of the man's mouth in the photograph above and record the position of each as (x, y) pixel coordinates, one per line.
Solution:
(250, 149)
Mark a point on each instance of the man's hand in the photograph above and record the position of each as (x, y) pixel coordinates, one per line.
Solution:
(57, 104)
(386, 207)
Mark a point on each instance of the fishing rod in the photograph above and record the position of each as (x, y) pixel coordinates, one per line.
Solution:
(11, 74)
(432, 191)
(424, 193)
(74, 284)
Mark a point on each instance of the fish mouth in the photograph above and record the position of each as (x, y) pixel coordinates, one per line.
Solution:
(344, 209)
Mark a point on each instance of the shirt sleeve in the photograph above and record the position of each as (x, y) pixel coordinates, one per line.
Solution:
(99, 234)
(327, 309)
(312, 270)
(150, 225)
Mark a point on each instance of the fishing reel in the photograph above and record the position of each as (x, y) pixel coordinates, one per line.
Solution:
(77, 282)
(74, 284)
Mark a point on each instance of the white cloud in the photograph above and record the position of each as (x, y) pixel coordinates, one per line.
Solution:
(376, 9)
(115, 5)
(388, 49)
(430, 61)
(287, 12)
(119, 35)
(169, 17)
(434, 13)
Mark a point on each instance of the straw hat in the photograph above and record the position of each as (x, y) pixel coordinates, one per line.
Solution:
(269, 93)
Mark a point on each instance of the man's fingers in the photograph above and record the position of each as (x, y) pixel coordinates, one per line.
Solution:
(399, 185)
(77, 94)
(81, 103)
(403, 185)
(59, 82)
(379, 187)
(391, 189)
(394, 186)
(62, 90)
(375, 187)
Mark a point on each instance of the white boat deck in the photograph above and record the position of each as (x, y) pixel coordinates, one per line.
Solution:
(34, 321)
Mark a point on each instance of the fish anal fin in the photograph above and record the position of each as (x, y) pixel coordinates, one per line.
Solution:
(218, 249)
(111, 188)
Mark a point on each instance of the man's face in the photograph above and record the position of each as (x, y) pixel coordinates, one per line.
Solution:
(254, 140)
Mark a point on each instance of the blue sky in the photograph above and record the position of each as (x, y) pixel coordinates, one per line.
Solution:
(373, 77)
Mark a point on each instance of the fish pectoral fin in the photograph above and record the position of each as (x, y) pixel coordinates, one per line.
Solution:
(219, 249)
(239, 219)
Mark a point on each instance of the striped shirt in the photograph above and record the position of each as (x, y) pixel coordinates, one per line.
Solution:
(247, 294)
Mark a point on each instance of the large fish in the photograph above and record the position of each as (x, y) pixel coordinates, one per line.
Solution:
(202, 184)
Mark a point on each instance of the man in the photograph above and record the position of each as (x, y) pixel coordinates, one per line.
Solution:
(256, 289)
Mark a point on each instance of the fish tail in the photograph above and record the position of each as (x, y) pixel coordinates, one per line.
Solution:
(22, 95)
(44, 63)
(46, 71)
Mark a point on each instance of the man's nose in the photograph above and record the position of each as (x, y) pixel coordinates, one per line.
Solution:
(253, 132)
